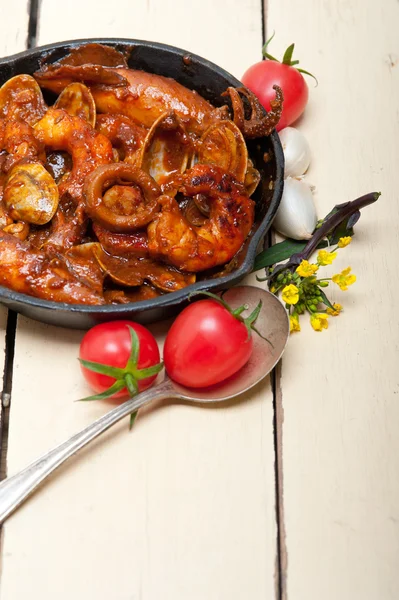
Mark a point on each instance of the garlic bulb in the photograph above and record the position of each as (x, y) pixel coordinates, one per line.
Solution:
(296, 216)
(296, 152)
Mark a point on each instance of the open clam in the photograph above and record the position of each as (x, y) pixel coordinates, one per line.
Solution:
(223, 145)
(133, 271)
(30, 193)
(166, 150)
(21, 98)
(83, 262)
(78, 101)
(252, 178)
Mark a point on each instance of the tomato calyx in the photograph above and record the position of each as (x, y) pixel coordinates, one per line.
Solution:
(287, 58)
(249, 321)
(127, 377)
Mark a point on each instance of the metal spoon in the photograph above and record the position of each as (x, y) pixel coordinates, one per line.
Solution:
(272, 323)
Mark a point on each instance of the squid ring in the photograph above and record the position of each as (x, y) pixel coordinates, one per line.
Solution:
(122, 208)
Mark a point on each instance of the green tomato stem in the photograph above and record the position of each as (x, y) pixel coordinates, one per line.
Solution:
(124, 378)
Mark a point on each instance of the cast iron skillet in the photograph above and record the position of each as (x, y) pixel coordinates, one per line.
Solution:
(210, 81)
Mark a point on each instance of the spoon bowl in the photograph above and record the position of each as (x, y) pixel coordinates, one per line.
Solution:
(272, 323)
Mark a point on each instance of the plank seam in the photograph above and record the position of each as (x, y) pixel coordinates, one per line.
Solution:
(278, 419)
(282, 556)
(33, 23)
(7, 388)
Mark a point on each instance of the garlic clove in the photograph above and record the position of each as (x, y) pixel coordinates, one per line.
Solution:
(296, 217)
(296, 151)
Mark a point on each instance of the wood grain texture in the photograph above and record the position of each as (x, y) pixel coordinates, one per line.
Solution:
(14, 27)
(227, 32)
(182, 507)
(340, 388)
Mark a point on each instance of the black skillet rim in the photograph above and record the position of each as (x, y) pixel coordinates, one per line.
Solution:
(173, 298)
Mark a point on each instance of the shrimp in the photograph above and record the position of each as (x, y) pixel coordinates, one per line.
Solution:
(37, 274)
(172, 239)
(89, 149)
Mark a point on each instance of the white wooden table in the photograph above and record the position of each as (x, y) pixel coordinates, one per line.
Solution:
(292, 493)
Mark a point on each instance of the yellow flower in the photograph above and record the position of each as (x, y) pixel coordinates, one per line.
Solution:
(334, 312)
(290, 294)
(319, 321)
(306, 269)
(294, 323)
(344, 279)
(273, 289)
(325, 258)
(344, 241)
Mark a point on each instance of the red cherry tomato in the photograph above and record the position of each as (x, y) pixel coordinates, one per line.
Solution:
(110, 344)
(205, 345)
(262, 76)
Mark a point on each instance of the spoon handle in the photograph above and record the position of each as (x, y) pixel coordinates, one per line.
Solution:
(14, 490)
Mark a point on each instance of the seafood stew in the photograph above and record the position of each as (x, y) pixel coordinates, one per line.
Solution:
(149, 200)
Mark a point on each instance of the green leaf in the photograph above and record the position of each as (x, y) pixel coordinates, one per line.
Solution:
(116, 387)
(282, 251)
(270, 57)
(149, 372)
(277, 253)
(132, 419)
(102, 369)
(131, 384)
(325, 299)
(288, 55)
(342, 230)
(310, 74)
(264, 49)
(135, 349)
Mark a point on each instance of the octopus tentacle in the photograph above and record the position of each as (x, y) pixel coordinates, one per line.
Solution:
(258, 124)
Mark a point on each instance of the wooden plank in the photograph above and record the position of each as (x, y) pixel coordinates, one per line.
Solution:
(207, 28)
(340, 448)
(14, 27)
(14, 33)
(184, 506)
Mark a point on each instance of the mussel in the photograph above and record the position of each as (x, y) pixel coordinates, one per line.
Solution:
(30, 193)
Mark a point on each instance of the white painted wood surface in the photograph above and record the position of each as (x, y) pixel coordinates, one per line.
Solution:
(13, 38)
(340, 389)
(184, 506)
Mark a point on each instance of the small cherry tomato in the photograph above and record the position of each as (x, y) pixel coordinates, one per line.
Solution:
(208, 342)
(262, 76)
(119, 359)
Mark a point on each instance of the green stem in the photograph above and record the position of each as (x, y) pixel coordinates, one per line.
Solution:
(124, 378)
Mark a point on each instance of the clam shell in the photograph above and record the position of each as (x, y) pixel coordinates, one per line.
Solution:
(31, 194)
